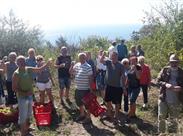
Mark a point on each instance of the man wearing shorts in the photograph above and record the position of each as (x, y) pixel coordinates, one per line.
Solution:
(63, 64)
(114, 73)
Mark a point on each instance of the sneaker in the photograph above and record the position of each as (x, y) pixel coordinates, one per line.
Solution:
(80, 118)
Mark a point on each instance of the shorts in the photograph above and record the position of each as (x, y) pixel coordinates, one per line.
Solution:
(64, 82)
(44, 86)
(100, 80)
(79, 94)
(133, 94)
(113, 94)
(25, 108)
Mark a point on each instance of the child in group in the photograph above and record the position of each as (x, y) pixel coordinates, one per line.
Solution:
(44, 81)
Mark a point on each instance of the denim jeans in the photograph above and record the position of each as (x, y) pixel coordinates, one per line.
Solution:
(64, 82)
(25, 108)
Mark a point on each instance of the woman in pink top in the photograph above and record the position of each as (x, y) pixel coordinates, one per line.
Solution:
(145, 79)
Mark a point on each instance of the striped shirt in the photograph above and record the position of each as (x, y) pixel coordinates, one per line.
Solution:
(82, 73)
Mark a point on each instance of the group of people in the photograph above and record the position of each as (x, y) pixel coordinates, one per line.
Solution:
(118, 73)
(20, 76)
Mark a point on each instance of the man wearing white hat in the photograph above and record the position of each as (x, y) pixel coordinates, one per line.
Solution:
(170, 80)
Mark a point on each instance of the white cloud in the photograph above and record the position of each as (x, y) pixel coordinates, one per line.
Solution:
(51, 14)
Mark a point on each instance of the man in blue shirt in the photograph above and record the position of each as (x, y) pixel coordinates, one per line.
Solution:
(122, 50)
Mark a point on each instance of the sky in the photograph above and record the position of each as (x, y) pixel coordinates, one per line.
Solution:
(52, 14)
(56, 15)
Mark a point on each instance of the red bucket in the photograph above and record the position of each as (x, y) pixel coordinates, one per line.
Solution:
(43, 118)
(42, 113)
(91, 103)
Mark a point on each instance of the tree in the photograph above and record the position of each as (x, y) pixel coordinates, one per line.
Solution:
(61, 42)
(162, 33)
(17, 36)
(94, 44)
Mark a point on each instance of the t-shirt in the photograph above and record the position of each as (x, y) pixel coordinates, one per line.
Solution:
(64, 71)
(31, 62)
(100, 65)
(82, 73)
(113, 73)
(111, 50)
(133, 81)
(122, 51)
(44, 76)
(25, 82)
(11, 67)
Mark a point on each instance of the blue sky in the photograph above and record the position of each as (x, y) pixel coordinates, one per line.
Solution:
(52, 14)
(64, 15)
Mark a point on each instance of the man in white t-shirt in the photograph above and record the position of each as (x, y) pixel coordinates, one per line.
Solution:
(112, 48)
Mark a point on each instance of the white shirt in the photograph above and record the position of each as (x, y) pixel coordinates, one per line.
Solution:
(99, 64)
(111, 50)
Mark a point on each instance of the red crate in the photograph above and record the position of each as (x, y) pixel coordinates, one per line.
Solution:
(42, 113)
(43, 118)
(90, 101)
(8, 118)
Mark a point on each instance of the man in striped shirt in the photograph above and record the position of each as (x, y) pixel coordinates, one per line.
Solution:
(83, 79)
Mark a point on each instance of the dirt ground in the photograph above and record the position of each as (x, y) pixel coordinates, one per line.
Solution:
(64, 121)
